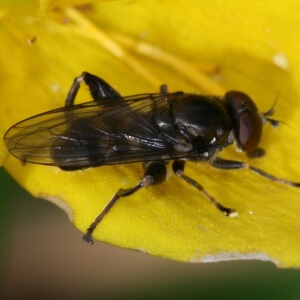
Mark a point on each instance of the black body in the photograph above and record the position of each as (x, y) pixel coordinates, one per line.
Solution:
(117, 130)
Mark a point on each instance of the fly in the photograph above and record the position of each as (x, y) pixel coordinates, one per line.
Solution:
(149, 128)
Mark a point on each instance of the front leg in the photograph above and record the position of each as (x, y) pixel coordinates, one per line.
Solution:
(225, 164)
(256, 153)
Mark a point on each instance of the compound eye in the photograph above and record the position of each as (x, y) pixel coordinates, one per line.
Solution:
(250, 130)
(247, 122)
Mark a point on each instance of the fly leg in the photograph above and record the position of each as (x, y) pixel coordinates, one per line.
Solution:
(154, 173)
(99, 89)
(221, 163)
(256, 153)
(178, 167)
(120, 193)
(164, 89)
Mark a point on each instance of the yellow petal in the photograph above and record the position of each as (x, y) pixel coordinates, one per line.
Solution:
(254, 46)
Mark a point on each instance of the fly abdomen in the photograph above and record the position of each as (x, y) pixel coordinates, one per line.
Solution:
(81, 145)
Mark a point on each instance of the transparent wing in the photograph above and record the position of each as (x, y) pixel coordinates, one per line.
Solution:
(91, 134)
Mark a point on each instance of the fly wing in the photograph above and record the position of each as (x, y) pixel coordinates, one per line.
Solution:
(91, 134)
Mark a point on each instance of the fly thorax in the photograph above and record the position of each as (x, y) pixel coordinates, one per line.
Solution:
(203, 120)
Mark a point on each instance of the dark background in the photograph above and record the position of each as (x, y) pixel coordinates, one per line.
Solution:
(43, 257)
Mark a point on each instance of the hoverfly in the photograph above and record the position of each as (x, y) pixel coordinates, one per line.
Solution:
(150, 128)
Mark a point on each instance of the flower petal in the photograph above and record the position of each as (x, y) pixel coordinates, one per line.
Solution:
(255, 47)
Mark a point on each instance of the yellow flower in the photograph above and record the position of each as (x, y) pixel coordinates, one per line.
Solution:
(136, 47)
